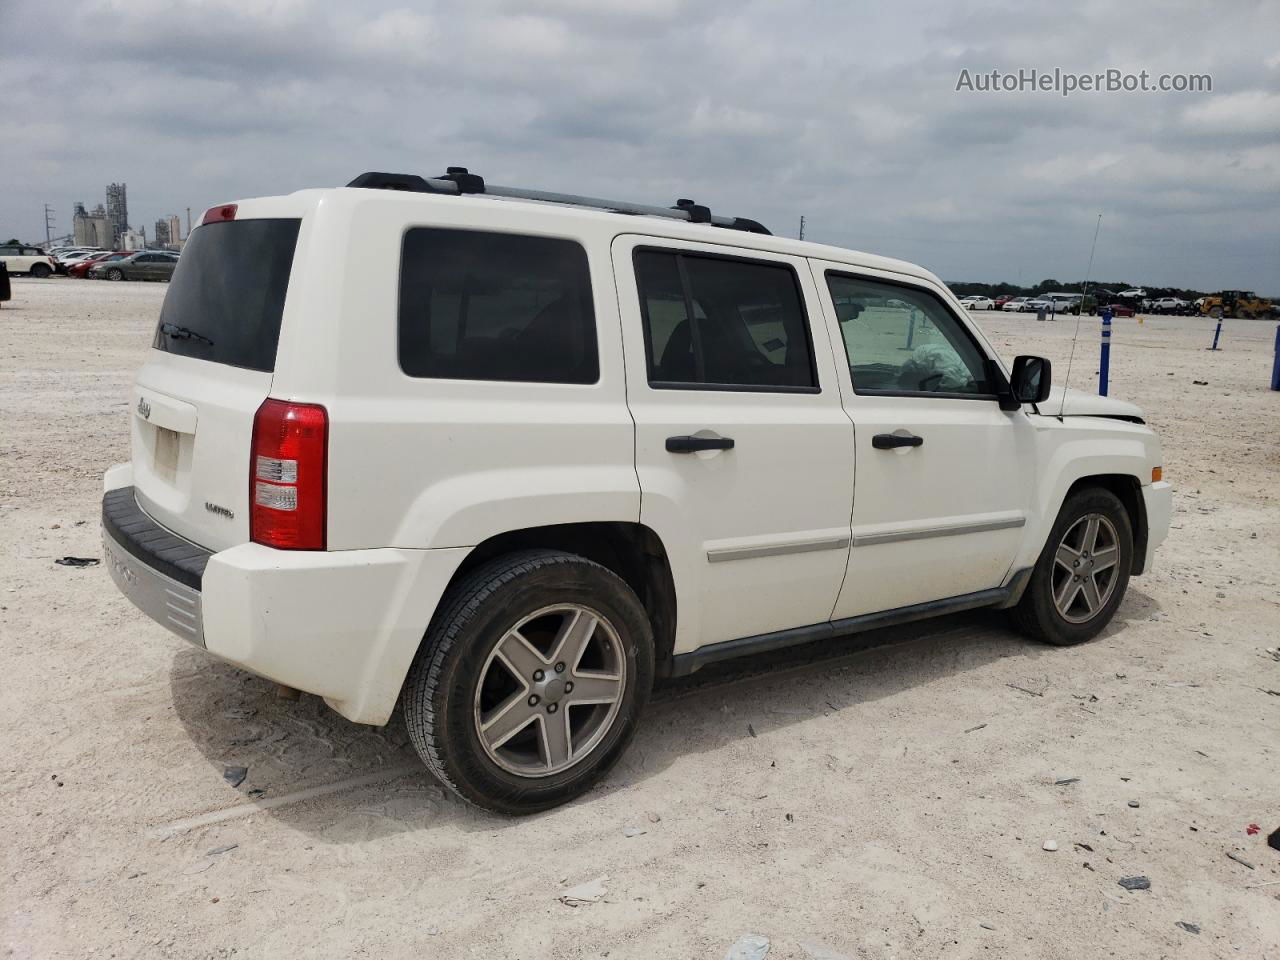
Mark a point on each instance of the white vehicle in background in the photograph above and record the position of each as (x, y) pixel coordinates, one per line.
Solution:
(79, 256)
(1169, 305)
(1133, 293)
(1015, 305)
(20, 258)
(501, 461)
(1063, 302)
(978, 303)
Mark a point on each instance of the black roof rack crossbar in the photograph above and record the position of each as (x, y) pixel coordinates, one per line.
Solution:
(458, 181)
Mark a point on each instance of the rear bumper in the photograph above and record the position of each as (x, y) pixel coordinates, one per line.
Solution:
(1158, 500)
(158, 571)
(344, 625)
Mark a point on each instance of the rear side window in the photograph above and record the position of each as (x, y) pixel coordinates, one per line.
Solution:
(496, 306)
(227, 294)
(723, 323)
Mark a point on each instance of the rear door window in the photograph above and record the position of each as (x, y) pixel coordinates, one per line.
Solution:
(226, 297)
(476, 305)
(716, 322)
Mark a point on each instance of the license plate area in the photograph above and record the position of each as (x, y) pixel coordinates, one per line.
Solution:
(168, 448)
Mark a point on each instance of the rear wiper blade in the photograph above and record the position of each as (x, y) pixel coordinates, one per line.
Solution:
(183, 333)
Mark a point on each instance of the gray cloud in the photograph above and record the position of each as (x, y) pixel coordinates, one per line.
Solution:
(845, 114)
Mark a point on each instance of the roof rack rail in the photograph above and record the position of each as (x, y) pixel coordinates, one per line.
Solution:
(457, 180)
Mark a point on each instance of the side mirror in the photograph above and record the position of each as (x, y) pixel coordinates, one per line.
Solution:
(1031, 379)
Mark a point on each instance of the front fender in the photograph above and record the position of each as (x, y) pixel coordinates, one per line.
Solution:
(1073, 449)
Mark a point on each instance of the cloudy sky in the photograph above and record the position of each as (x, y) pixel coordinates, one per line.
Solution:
(846, 113)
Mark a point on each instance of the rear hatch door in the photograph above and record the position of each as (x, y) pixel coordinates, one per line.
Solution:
(210, 368)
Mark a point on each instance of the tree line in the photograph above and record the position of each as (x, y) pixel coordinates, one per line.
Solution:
(993, 290)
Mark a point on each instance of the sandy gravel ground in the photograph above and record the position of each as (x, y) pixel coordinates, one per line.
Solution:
(873, 804)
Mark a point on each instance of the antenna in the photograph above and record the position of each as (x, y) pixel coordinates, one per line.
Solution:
(1088, 272)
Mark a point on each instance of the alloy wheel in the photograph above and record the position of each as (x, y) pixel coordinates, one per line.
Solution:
(550, 690)
(1086, 568)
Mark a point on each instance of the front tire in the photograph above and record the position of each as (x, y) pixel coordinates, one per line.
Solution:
(40, 271)
(115, 273)
(1083, 571)
(531, 680)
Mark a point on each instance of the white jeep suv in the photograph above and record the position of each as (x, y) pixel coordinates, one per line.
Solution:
(505, 457)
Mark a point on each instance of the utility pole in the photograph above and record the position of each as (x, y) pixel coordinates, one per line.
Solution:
(801, 228)
(48, 225)
(188, 221)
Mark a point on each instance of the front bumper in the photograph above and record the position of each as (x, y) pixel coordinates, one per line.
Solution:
(344, 625)
(1158, 499)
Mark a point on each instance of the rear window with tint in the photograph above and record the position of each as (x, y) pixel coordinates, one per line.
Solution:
(227, 294)
(495, 306)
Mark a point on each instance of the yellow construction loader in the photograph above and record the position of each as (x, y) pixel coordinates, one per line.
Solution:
(1240, 304)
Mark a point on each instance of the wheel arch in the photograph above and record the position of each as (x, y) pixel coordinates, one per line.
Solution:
(633, 551)
(1128, 490)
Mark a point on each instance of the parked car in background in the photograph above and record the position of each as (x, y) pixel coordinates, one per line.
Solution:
(978, 303)
(80, 268)
(66, 259)
(79, 256)
(1014, 304)
(1118, 309)
(1035, 305)
(1133, 293)
(67, 254)
(144, 265)
(1064, 302)
(1169, 305)
(1001, 301)
(29, 260)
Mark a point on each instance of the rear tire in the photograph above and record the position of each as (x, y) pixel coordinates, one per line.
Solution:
(490, 704)
(40, 271)
(1072, 596)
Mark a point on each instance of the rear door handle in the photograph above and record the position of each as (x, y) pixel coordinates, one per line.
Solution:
(891, 441)
(694, 444)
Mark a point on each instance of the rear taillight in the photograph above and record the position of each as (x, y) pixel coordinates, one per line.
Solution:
(287, 475)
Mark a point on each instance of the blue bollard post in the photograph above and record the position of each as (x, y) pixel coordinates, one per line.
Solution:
(1217, 332)
(911, 331)
(1275, 364)
(1104, 369)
